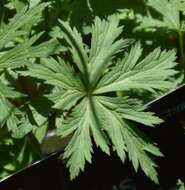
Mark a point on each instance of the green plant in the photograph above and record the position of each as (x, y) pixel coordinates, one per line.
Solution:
(18, 49)
(170, 17)
(21, 149)
(180, 185)
(93, 86)
(15, 55)
(86, 94)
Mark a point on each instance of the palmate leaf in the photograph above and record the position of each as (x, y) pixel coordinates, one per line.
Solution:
(19, 122)
(94, 114)
(171, 16)
(91, 110)
(19, 55)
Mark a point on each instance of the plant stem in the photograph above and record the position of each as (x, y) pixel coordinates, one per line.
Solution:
(89, 6)
(181, 49)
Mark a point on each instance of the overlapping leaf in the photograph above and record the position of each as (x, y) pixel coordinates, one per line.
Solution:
(170, 11)
(12, 30)
(20, 54)
(31, 121)
(14, 57)
(8, 114)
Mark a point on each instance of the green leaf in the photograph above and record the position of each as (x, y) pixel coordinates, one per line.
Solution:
(97, 123)
(127, 138)
(13, 56)
(8, 114)
(136, 145)
(20, 54)
(11, 31)
(110, 122)
(81, 123)
(149, 22)
(170, 11)
(19, 149)
(33, 3)
(8, 92)
(56, 73)
(180, 185)
(121, 77)
(86, 109)
(44, 49)
(79, 148)
(30, 122)
(104, 45)
(22, 128)
(77, 49)
(171, 16)
(65, 100)
(130, 109)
